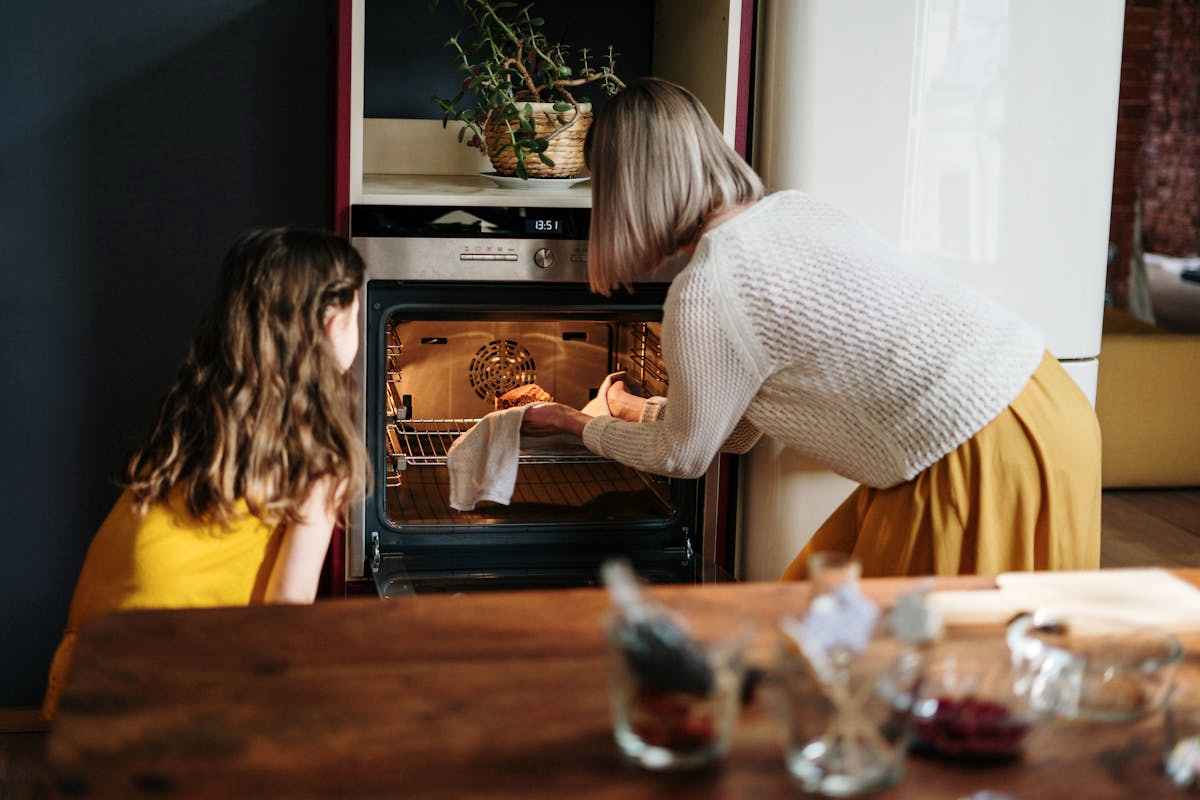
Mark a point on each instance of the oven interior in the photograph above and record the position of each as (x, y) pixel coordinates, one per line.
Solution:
(569, 507)
(442, 376)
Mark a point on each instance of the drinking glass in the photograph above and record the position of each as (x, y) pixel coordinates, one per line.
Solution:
(849, 714)
(661, 723)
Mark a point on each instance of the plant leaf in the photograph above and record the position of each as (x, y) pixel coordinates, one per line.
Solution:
(564, 71)
(561, 106)
(461, 132)
(545, 159)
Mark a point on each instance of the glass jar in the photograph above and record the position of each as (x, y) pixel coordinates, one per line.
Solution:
(675, 704)
(848, 687)
(967, 707)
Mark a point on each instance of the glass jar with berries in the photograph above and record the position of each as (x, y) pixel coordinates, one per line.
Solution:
(677, 678)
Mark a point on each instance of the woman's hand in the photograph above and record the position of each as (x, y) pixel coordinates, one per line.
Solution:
(624, 405)
(545, 418)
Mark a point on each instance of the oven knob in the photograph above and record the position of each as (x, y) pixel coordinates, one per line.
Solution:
(544, 258)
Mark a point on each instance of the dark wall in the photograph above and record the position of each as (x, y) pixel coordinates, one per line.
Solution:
(136, 140)
(406, 60)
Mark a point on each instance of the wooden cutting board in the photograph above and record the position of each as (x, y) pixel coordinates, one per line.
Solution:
(1144, 596)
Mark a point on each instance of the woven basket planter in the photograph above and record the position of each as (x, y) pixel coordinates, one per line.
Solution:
(565, 149)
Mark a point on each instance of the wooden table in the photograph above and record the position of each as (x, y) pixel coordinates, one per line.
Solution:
(500, 695)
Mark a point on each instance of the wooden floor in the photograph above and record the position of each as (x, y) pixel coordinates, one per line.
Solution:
(1151, 528)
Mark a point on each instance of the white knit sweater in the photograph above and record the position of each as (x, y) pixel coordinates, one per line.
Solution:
(795, 321)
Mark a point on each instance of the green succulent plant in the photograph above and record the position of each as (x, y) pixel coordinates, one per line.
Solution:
(509, 64)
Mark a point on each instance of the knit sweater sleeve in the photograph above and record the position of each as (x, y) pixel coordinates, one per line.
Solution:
(741, 441)
(713, 378)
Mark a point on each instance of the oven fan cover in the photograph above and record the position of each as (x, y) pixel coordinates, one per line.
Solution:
(500, 365)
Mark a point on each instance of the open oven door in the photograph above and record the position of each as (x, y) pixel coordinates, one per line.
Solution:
(435, 368)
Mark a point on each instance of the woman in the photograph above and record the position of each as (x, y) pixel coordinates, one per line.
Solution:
(975, 452)
(233, 497)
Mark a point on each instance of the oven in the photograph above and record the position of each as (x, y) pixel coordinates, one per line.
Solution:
(461, 304)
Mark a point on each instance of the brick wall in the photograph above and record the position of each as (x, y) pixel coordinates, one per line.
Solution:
(1137, 64)
(1170, 168)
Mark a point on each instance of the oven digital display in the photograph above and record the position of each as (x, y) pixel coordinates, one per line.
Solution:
(491, 222)
(543, 225)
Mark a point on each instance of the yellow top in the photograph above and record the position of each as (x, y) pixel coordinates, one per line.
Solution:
(165, 559)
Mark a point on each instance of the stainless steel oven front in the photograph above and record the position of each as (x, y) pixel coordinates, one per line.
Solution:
(462, 304)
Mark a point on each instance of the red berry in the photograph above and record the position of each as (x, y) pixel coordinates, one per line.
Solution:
(971, 726)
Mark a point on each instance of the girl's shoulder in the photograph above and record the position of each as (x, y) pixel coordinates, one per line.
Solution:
(171, 517)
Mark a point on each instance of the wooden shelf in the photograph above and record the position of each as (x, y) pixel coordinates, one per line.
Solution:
(472, 190)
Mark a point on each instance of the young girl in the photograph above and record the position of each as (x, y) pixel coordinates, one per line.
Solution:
(233, 497)
(975, 451)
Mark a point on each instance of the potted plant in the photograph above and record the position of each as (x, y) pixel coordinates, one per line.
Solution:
(518, 97)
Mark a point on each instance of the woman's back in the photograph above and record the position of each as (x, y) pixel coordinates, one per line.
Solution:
(869, 366)
(802, 322)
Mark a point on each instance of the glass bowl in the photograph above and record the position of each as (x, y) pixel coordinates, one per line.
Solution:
(967, 707)
(1074, 665)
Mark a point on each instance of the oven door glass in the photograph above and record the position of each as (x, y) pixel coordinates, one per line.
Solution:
(442, 376)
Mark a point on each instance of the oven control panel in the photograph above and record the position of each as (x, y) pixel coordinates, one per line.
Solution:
(472, 243)
(544, 257)
(397, 258)
(488, 257)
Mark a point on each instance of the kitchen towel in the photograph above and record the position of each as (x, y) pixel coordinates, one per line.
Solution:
(483, 461)
(598, 405)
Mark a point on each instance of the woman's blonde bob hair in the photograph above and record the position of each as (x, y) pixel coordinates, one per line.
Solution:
(660, 168)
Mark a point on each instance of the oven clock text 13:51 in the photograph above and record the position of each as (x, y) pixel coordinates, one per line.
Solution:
(543, 225)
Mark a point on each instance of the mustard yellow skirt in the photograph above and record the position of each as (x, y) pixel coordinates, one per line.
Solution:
(1022, 494)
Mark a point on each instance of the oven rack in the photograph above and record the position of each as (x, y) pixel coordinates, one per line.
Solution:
(425, 442)
(642, 359)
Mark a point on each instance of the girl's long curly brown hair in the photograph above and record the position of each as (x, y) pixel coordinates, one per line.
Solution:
(260, 409)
